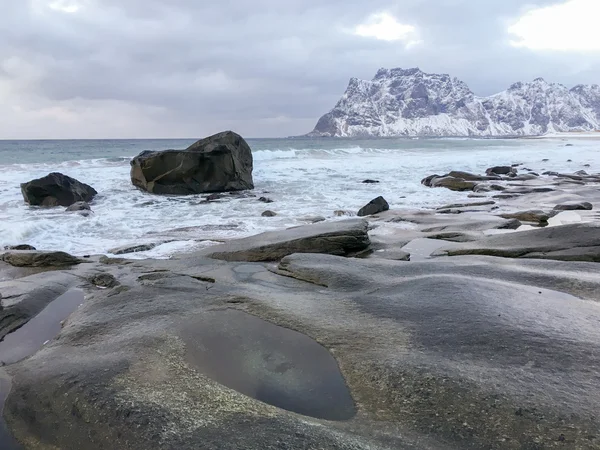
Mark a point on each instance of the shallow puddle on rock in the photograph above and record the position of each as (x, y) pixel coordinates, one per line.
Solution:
(421, 249)
(27, 340)
(267, 362)
(45, 326)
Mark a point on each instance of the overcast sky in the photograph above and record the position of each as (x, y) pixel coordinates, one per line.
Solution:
(264, 68)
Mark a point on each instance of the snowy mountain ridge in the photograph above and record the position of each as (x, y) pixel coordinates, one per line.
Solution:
(410, 102)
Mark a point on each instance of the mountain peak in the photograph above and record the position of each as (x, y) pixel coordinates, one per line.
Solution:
(410, 102)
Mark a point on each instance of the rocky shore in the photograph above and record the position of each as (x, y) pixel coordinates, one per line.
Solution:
(474, 326)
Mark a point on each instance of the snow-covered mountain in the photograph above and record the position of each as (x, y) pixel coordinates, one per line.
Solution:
(411, 102)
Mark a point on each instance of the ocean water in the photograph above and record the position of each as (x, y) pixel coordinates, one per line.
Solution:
(304, 177)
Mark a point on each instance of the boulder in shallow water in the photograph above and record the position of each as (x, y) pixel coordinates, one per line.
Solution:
(269, 214)
(219, 163)
(500, 170)
(56, 189)
(375, 206)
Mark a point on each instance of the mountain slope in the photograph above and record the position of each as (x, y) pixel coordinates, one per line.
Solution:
(411, 102)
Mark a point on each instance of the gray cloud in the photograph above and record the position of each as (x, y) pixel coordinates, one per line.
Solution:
(142, 68)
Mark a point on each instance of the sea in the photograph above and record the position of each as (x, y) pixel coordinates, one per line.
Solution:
(304, 178)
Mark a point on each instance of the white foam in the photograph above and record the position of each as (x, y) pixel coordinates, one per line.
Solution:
(303, 181)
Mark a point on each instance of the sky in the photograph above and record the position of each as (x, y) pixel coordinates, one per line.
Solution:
(263, 68)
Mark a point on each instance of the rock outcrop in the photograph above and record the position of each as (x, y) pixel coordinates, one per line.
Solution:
(574, 206)
(410, 102)
(169, 361)
(336, 238)
(56, 189)
(574, 242)
(35, 258)
(219, 163)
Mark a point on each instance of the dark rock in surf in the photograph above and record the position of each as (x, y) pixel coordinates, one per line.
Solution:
(500, 170)
(375, 206)
(370, 181)
(265, 200)
(56, 189)
(219, 163)
(268, 214)
(428, 180)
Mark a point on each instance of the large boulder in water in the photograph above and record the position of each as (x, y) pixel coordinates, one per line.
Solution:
(56, 189)
(218, 163)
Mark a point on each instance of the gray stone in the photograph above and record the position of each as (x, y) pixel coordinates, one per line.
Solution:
(574, 206)
(103, 280)
(338, 238)
(313, 219)
(500, 170)
(79, 206)
(573, 242)
(484, 187)
(25, 297)
(468, 205)
(39, 259)
(143, 368)
(268, 214)
(222, 162)
(375, 206)
(454, 184)
(56, 189)
(536, 216)
(125, 249)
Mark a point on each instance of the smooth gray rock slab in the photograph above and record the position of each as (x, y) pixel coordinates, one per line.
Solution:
(573, 242)
(338, 238)
(574, 206)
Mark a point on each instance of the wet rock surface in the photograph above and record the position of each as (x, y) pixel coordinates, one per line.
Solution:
(576, 242)
(444, 331)
(272, 364)
(172, 361)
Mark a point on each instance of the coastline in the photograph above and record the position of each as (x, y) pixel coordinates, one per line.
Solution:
(491, 287)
